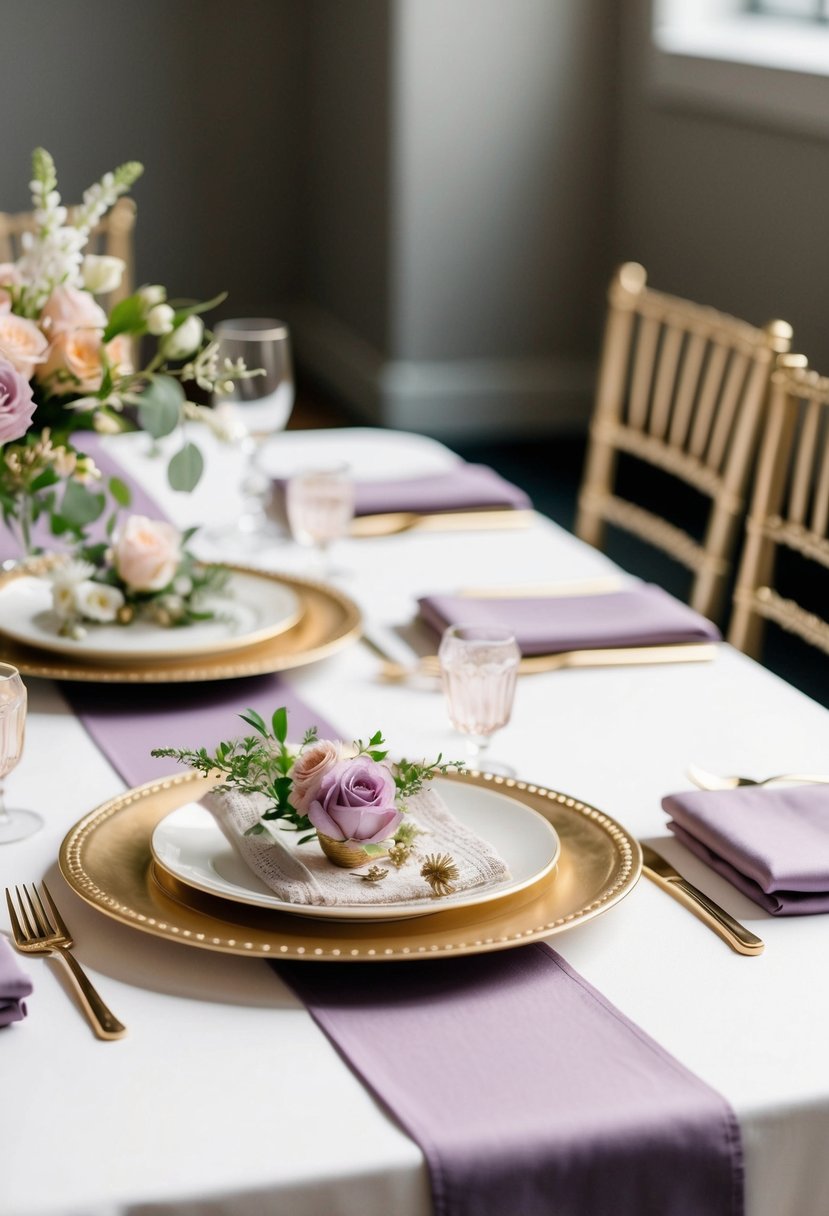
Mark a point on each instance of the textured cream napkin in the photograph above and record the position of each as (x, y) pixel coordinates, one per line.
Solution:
(302, 874)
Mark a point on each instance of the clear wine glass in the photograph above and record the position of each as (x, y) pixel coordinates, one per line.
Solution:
(15, 824)
(319, 504)
(479, 666)
(260, 406)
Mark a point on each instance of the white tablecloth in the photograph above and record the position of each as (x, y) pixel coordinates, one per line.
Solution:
(226, 1098)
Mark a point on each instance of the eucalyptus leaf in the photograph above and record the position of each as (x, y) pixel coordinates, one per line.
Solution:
(186, 468)
(159, 406)
(120, 491)
(80, 506)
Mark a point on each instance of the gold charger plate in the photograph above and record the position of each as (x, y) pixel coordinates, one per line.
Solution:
(328, 620)
(106, 859)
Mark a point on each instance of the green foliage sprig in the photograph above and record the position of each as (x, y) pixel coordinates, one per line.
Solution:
(261, 763)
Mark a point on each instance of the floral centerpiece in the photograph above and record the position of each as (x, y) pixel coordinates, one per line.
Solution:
(66, 364)
(349, 798)
(147, 572)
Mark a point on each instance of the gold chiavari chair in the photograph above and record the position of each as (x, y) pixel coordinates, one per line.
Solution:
(112, 236)
(789, 514)
(681, 387)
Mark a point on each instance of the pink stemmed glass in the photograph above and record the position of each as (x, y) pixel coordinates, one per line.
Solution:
(320, 507)
(15, 824)
(479, 665)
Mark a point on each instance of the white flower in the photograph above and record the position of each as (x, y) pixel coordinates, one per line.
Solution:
(63, 600)
(104, 425)
(98, 601)
(185, 339)
(73, 572)
(102, 273)
(160, 319)
(152, 294)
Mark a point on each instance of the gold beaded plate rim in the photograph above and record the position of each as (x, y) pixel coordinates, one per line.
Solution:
(328, 619)
(106, 859)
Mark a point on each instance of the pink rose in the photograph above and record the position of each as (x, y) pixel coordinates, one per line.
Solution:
(119, 354)
(356, 801)
(16, 403)
(308, 770)
(147, 553)
(22, 343)
(69, 308)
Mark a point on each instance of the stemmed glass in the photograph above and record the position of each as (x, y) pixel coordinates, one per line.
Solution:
(15, 824)
(261, 406)
(479, 665)
(319, 504)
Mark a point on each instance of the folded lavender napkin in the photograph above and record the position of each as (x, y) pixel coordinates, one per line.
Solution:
(301, 874)
(465, 487)
(639, 616)
(14, 986)
(771, 842)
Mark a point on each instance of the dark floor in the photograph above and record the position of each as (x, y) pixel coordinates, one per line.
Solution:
(550, 471)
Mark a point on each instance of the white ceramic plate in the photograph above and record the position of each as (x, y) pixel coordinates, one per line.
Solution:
(371, 454)
(253, 607)
(189, 845)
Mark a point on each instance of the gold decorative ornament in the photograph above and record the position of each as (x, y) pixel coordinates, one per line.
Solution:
(373, 874)
(440, 872)
(343, 853)
(399, 854)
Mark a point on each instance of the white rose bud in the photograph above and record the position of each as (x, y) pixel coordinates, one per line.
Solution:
(152, 294)
(160, 319)
(104, 425)
(102, 274)
(98, 601)
(184, 340)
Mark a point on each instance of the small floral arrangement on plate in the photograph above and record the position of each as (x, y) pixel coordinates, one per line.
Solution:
(145, 572)
(68, 364)
(348, 797)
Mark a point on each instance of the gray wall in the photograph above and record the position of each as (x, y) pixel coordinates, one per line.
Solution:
(204, 93)
(721, 209)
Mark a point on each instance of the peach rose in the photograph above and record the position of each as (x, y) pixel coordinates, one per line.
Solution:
(69, 308)
(72, 363)
(147, 553)
(22, 343)
(308, 769)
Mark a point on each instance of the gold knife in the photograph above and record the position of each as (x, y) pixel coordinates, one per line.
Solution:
(617, 656)
(393, 522)
(730, 930)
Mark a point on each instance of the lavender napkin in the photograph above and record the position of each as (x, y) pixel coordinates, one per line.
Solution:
(14, 986)
(640, 616)
(771, 842)
(465, 487)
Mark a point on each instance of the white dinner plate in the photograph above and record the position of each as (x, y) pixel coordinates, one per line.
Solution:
(250, 609)
(189, 845)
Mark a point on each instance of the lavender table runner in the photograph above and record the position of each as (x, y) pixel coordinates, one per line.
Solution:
(527, 1091)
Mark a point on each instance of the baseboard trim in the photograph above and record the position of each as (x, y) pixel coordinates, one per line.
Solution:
(480, 397)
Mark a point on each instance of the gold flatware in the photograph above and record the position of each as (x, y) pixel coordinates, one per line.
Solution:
(660, 871)
(715, 781)
(622, 656)
(393, 522)
(602, 585)
(41, 932)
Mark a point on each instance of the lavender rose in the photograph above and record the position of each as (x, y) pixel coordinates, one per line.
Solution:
(16, 403)
(355, 801)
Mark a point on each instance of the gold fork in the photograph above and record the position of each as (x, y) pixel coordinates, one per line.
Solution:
(38, 931)
(715, 781)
